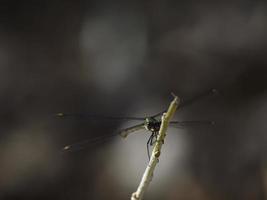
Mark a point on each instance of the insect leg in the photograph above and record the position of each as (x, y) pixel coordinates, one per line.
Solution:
(148, 144)
(154, 139)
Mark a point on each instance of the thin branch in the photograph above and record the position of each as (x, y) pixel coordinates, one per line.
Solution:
(148, 174)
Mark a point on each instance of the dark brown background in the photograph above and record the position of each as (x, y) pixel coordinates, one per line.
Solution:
(124, 58)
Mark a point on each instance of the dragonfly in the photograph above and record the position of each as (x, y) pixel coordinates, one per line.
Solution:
(151, 124)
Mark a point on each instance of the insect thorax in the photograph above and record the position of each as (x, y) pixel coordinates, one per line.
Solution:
(152, 124)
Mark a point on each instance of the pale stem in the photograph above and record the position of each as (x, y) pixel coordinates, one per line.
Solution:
(148, 174)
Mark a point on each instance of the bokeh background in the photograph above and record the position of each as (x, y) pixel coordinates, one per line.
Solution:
(124, 58)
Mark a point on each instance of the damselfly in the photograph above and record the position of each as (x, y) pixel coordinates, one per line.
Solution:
(151, 124)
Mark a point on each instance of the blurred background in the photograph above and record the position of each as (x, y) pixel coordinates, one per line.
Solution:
(124, 58)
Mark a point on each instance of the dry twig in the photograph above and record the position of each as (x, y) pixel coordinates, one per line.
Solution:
(148, 174)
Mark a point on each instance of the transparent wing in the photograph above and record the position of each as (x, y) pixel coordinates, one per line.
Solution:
(188, 102)
(87, 142)
(101, 139)
(125, 132)
(184, 124)
(198, 97)
(96, 117)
